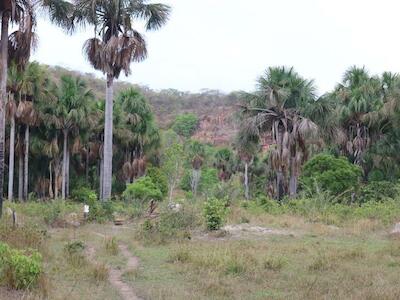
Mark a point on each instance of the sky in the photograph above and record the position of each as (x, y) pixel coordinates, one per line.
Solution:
(227, 44)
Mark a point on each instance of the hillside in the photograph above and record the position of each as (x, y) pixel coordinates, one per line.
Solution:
(214, 108)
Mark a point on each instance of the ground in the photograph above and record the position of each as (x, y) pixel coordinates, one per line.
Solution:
(265, 257)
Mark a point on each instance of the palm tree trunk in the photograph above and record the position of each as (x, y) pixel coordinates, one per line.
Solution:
(26, 163)
(101, 177)
(11, 160)
(64, 166)
(246, 180)
(293, 178)
(87, 167)
(56, 176)
(51, 195)
(3, 93)
(20, 176)
(67, 175)
(108, 136)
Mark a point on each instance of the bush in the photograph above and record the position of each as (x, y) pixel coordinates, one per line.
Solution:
(169, 226)
(17, 269)
(335, 175)
(101, 211)
(159, 178)
(214, 212)
(378, 191)
(142, 190)
(185, 125)
(84, 195)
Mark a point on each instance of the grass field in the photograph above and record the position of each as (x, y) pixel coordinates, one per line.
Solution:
(296, 259)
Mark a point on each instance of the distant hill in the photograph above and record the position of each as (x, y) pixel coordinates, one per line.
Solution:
(214, 108)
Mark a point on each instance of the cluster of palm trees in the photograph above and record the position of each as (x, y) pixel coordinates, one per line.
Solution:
(58, 125)
(359, 119)
(114, 46)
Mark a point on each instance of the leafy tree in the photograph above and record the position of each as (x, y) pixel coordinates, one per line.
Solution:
(142, 190)
(172, 164)
(185, 125)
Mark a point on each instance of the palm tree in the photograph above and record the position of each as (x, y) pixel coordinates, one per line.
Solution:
(196, 152)
(356, 96)
(275, 109)
(116, 44)
(68, 113)
(223, 162)
(247, 147)
(137, 134)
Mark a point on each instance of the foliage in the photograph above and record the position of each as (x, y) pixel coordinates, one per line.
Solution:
(19, 269)
(159, 179)
(84, 195)
(379, 191)
(185, 125)
(74, 247)
(208, 180)
(172, 163)
(214, 212)
(142, 190)
(169, 226)
(335, 175)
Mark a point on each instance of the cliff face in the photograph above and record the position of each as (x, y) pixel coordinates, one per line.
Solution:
(218, 127)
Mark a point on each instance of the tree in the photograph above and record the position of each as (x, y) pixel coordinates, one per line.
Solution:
(69, 113)
(196, 154)
(112, 50)
(19, 11)
(172, 162)
(141, 133)
(247, 147)
(185, 125)
(224, 163)
(275, 109)
(357, 95)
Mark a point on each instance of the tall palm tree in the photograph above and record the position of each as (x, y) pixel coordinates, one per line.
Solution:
(68, 113)
(116, 44)
(275, 108)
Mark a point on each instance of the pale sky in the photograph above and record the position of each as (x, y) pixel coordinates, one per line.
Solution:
(227, 44)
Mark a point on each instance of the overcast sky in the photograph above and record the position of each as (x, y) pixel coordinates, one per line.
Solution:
(226, 44)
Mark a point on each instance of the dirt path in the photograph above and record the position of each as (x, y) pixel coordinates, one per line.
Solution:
(115, 275)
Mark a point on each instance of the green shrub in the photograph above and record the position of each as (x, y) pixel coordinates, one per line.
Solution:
(19, 270)
(84, 195)
(379, 191)
(142, 190)
(169, 226)
(159, 178)
(185, 125)
(75, 247)
(335, 175)
(101, 211)
(214, 212)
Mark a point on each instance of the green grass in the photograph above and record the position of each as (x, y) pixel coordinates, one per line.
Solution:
(357, 260)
